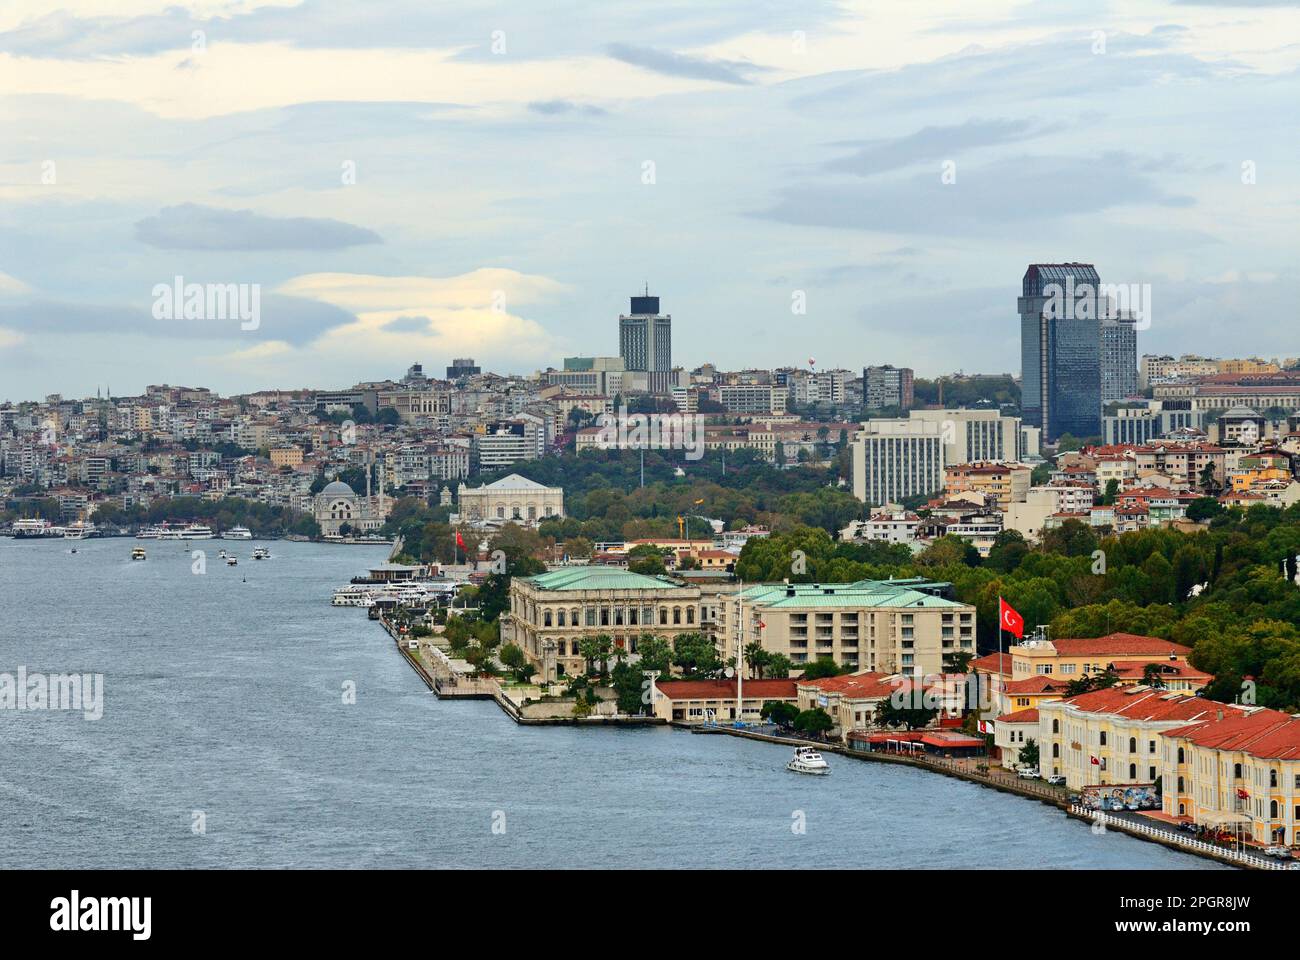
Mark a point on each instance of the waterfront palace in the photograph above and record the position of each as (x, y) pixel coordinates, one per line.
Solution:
(550, 614)
(901, 626)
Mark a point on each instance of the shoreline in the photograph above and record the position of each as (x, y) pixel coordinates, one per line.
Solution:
(491, 690)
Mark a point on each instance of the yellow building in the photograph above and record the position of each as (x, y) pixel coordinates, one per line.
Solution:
(1112, 736)
(286, 457)
(1070, 659)
(1007, 482)
(705, 701)
(851, 699)
(1238, 770)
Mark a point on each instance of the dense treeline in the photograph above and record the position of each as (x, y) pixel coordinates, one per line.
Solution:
(1219, 590)
(263, 519)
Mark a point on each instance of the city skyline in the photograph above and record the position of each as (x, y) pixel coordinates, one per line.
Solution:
(507, 179)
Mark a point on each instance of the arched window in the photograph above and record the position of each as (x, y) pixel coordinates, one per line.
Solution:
(1181, 786)
(1181, 757)
(1056, 725)
(559, 617)
(501, 513)
(677, 615)
(663, 616)
(546, 619)
(1272, 778)
(1056, 751)
(1236, 771)
(1132, 745)
(1272, 809)
(1103, 738)
(1132, 771)
(690, 614)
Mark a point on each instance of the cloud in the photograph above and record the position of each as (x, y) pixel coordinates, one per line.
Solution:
(296, 320)
(11, 286)
(935, 143)
(553, 108)
(9, 338)
(1010, 190)
(473, 314)
(194, 227)
(684, 65)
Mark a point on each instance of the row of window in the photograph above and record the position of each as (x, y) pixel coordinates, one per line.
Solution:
(618, 617)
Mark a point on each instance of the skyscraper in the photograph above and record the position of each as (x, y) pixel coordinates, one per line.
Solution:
(1060, 349)
(1119, 377)
(645, 342)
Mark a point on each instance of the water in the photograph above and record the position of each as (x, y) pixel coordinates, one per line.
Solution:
(226, 698)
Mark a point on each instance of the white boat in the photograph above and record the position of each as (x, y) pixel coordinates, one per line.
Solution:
(808, 760)
(152, 533)
(35, 528)
(79, 530)
(137, 553)
(194, 531)
(261, 553)
(238, 533)
(232, 560)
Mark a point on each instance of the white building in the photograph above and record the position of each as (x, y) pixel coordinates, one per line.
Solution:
(512, 499)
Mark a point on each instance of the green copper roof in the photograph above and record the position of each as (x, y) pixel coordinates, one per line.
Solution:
(598, 578)
(864, 593)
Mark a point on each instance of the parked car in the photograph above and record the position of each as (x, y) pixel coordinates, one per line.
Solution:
(1188, 827)
(1027, 773)
(1056, 780)
(1278, 851)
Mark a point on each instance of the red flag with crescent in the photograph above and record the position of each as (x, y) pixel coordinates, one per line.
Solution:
(1010, 620)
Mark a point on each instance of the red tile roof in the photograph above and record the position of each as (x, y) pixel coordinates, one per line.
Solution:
(1020, 716)
(1035, 684)
(1139, 703)
(1183, 671)
(857, 686)
(993, 663)
(723, 689)
(1267, 734)
(1119, 644)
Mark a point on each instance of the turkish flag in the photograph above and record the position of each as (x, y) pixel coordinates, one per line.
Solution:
(1095, 761)
(1009, 620)
(1243, 795)
(460, 541)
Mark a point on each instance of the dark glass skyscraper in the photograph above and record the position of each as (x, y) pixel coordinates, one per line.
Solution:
(1060, 349)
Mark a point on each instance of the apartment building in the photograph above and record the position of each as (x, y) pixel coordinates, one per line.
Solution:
(1007, 483)
(891, 626)
(1071, 659)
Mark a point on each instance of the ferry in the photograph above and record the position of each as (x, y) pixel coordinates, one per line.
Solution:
(34, 529)
(238, 533)
(137, 553)
(79, 530)
(808, 760)
(152, 533)
(261, 553)
(194, 531)
(232, 560)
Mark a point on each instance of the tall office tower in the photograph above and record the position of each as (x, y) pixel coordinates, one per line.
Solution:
(887, 386)
(1060, 349)
(645, 342)
(1119, 376)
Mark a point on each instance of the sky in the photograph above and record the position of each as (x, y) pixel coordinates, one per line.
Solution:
(852, 183)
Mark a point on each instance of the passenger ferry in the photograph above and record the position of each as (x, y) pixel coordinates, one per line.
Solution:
(194, 531)
(261, 553)
(79, 530)
(152, 533)
(137, 553)
(34, 528)
(238, 533)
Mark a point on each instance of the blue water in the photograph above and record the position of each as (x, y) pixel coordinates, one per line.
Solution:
(226, 697)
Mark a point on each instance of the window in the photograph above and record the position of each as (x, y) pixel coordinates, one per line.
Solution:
(663, 616)
(1272, 778)
(546, 619)
(677, 615)
(559, 618)
(1102, 739)
(591, 616)
(604, 616)
(1183, 759)
(1236, 771)
(690, 614)
(1056, 751)
(1151, 774)
(1132, 745)
(1151, 746)
(1132, 771)
(1056, 725)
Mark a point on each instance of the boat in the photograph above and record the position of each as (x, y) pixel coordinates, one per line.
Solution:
(34, 528)
(808, 760)
(237, 533)
(193, 531)
(232, 560)
(261, 553)
(157, 532)
(79, 530)
(137, 553)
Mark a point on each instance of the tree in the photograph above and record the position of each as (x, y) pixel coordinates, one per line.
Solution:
(1028, 756)
(1151, 676)
(814, 722)
(696, 655)
(516, 661)
(780, 712)
(597, 648)
(757, 658)
(906, 714)
(822, 667)
(629, 685)
(656, 654)
(1204, 508)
